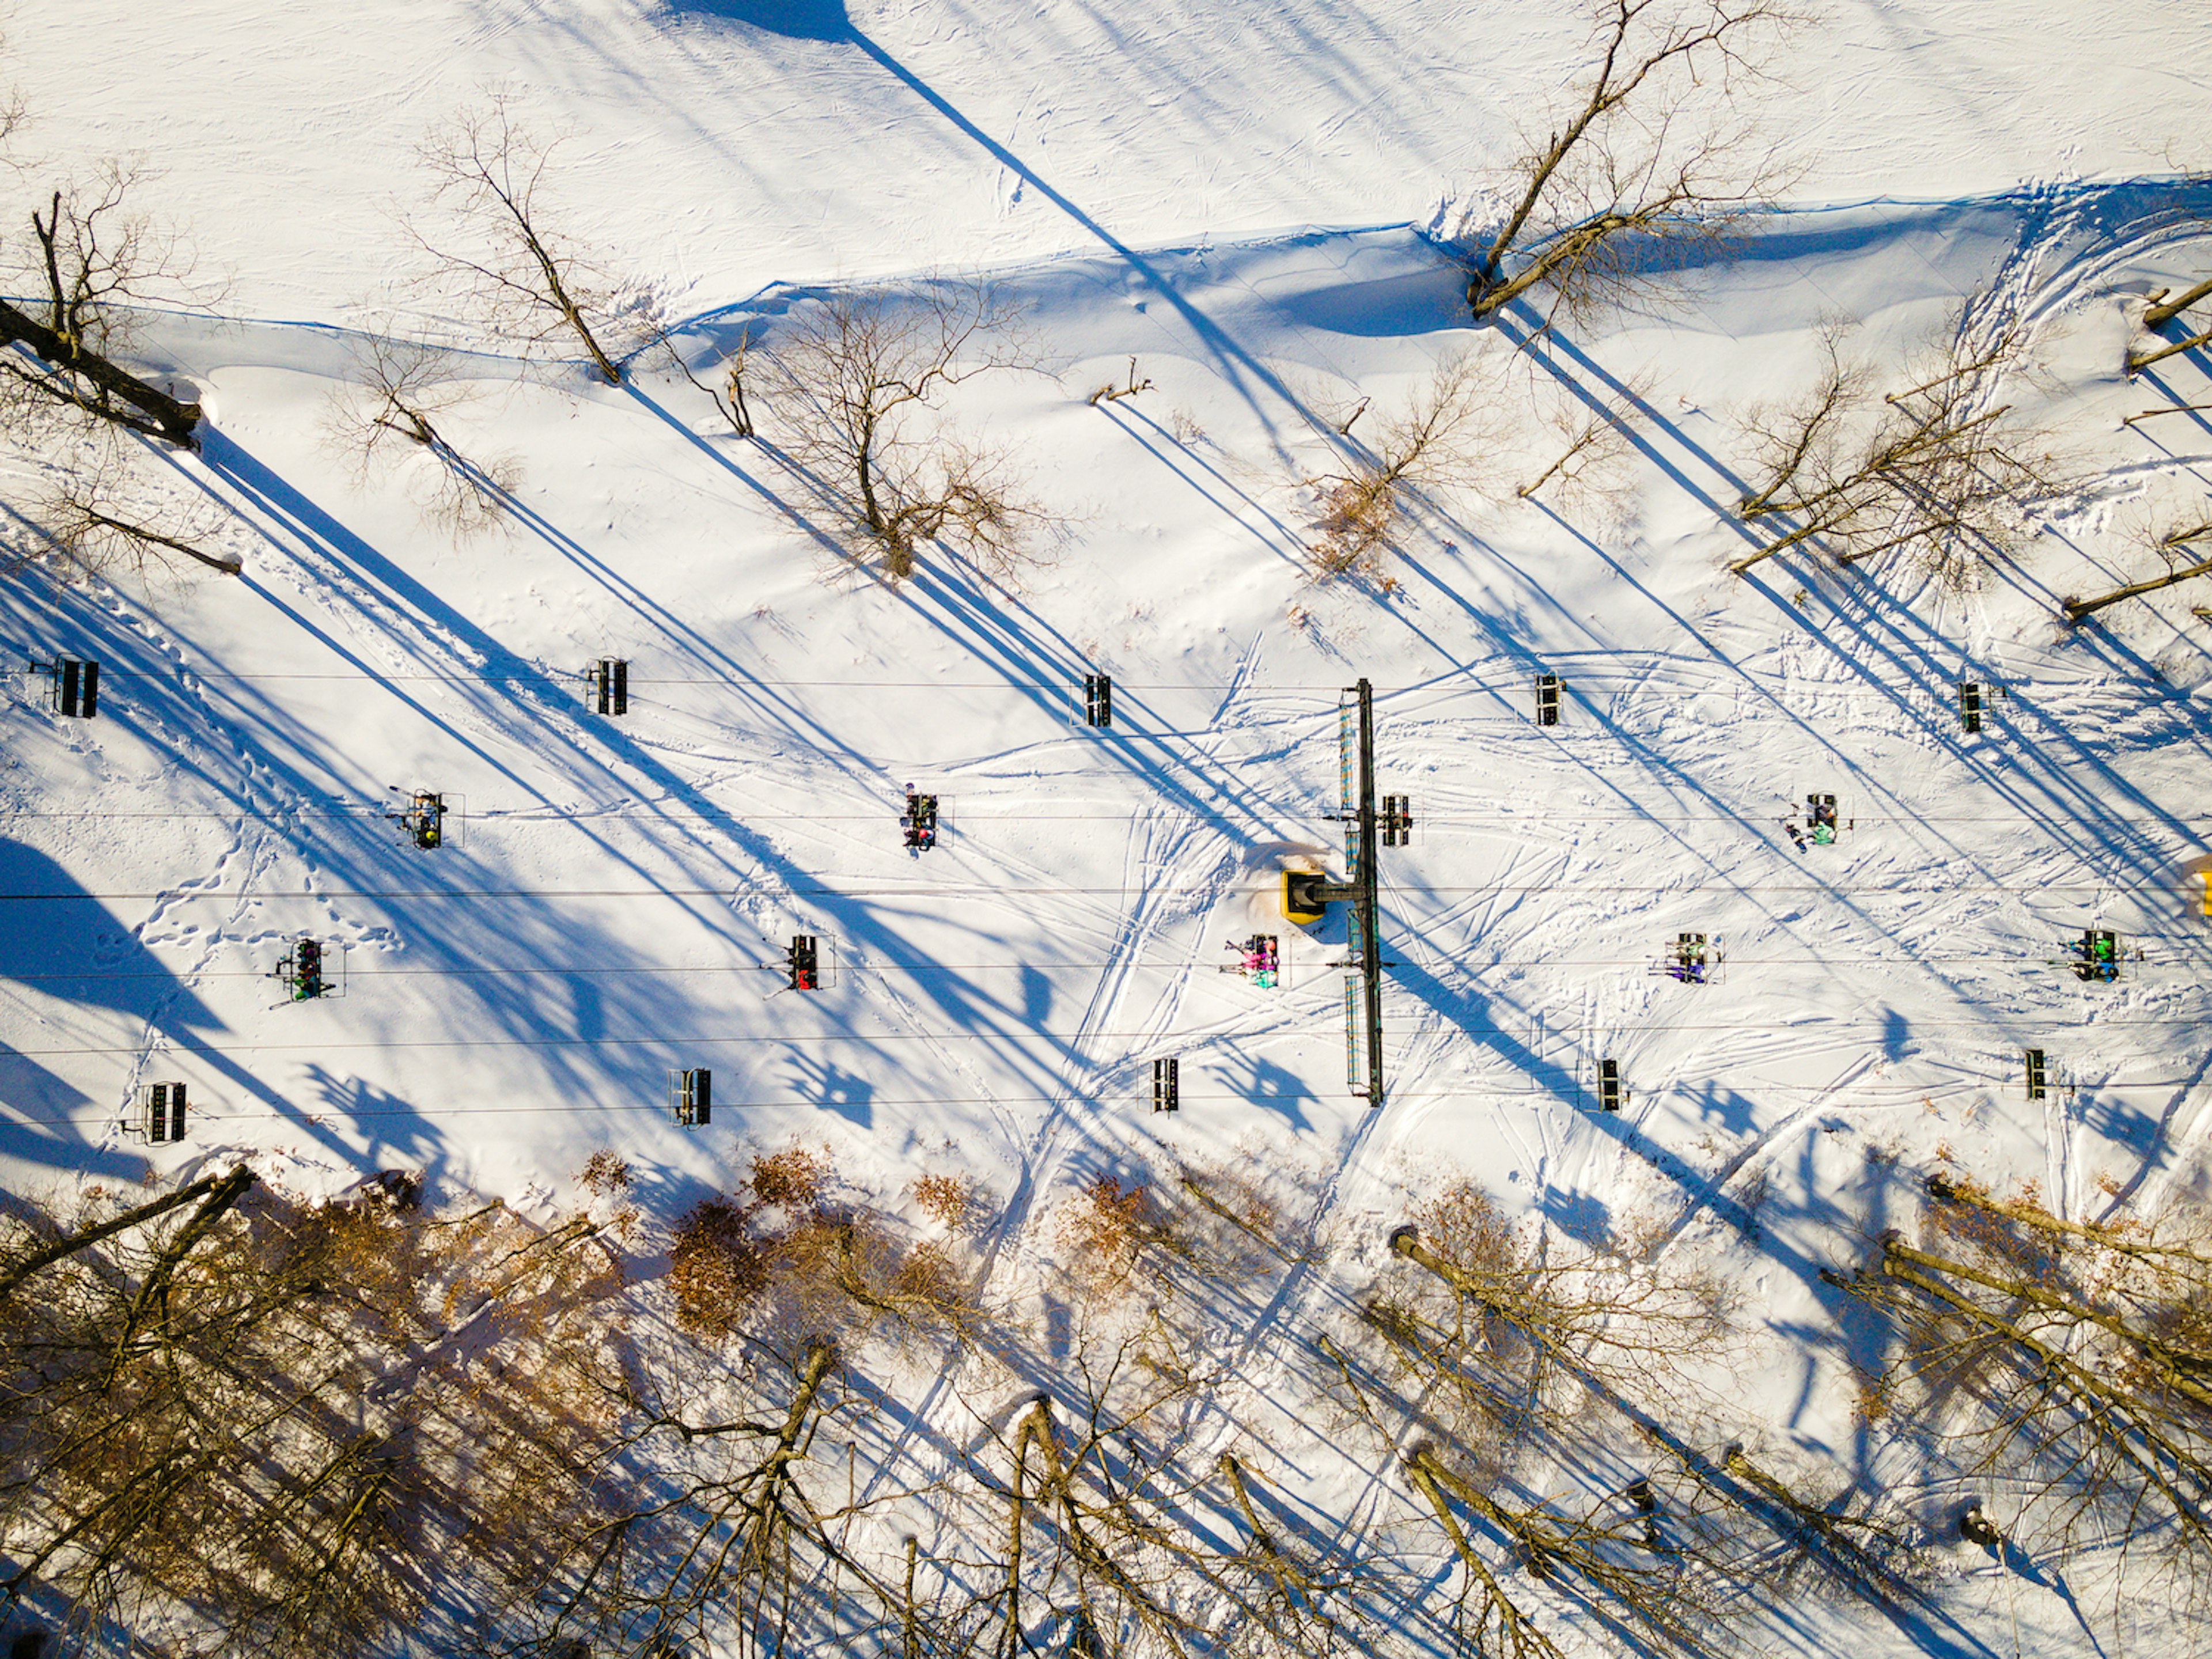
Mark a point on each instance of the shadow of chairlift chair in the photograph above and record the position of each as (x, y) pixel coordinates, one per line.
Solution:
(73, 688)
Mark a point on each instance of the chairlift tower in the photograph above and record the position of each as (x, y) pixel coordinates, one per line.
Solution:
(1307, 894)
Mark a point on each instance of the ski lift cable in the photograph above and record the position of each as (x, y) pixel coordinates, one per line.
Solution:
(969, 815)
(1830, 1031)
(941, 891)
(1906, 1095)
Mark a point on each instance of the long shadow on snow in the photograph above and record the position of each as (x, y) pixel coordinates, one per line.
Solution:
(429, 630)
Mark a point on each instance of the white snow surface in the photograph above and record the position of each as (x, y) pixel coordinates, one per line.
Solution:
(515, 999)
(722, 145)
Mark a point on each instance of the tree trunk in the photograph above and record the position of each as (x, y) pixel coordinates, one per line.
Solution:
(2137, 365)
(77, 1240)
(164, 416)
(2077, 609)
(2160, 312)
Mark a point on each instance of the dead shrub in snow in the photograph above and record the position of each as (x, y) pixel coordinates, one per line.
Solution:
(1434, 442)
(1104, 1230)
(792, 1178)
(716, 1269)
(956, 1203)
(859, 383)
(604, 1174)
(788, 1259)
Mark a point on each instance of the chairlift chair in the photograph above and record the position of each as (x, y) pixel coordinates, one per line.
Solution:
(1548, 699)
(1098, 700)
(609, 679)
(162, 1114)
(1820, 810)
(1167, 1094)
(2099, 955)
(73, 688)
(919, 821)
(691, 1096)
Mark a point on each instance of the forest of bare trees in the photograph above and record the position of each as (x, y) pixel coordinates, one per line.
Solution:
(237, 1421)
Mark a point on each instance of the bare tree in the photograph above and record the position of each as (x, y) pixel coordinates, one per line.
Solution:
(501, 244)
(1436, 441)
(395, 406)
(89, 259)
(1935, 469)
(859, 383)
(1626, 165)
(99, 515)
(2073, 1355)
(2164, 544)
(1600, 438)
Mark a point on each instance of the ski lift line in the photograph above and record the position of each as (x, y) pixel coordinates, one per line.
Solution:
(1603, 671)
(941, 894)
(1906, 1095)
(587, 813)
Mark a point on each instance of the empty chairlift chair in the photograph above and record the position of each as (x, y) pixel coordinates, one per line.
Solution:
(1167, 1093)
(1098, 700)
(1608, 1085)
(1970, 705)
(73, 690)
(1548, 699)
(610, 683)
(162, 1114)
(1397, 824)
(2038, 1076)
(691, 1096)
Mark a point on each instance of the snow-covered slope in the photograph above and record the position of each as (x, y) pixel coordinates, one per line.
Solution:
(719, 145)
(515, 999)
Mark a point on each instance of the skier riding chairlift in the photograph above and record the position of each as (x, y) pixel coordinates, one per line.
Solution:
(919, 820)
(1261, 958)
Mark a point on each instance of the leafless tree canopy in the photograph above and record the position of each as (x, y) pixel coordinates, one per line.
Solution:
(496, 236)
(1646, 150)
(2074, 1358)
(1938, 470)
(858, 382)
(89, 257)
(2177, 545)
(395, 412)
